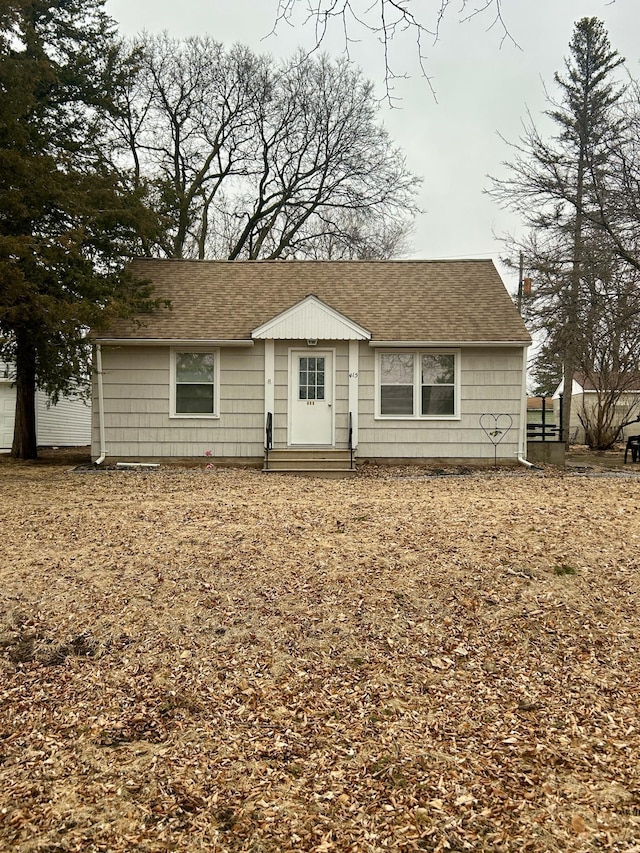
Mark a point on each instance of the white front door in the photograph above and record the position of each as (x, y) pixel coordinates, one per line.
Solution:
(311, 397)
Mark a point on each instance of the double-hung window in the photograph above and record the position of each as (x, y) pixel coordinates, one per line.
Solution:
(418, 384)
(194, 383)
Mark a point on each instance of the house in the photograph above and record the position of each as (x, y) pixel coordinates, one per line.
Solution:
(625, 405)
(66, 424)
(539, 410)
(398, 360)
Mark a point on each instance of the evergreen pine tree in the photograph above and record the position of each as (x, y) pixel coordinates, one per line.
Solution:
(67, 220)
(553, 183)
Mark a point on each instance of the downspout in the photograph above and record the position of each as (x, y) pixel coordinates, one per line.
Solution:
(103, 445)
(522, 439)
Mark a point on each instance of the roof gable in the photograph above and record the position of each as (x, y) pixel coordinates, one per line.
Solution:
(627, 381)
(308, 319)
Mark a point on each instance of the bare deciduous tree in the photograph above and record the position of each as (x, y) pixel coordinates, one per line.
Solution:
(608, 354)
(250, 160)
(352, 237)
(603, 322)
(189, 112)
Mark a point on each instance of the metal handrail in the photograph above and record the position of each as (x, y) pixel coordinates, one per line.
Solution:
(268, 439)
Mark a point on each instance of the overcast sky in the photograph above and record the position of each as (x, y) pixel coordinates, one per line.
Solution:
(484, 87)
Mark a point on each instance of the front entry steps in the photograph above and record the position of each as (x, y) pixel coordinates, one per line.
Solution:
(318, 463)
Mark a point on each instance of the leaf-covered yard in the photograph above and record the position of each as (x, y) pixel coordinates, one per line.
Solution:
(221, 660)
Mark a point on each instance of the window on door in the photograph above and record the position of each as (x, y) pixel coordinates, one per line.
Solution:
(311, 378)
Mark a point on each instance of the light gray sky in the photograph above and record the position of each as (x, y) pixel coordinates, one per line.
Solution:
(483, 89)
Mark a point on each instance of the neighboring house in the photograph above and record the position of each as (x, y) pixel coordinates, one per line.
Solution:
(403, 356)
(67, 424)
(584, 399)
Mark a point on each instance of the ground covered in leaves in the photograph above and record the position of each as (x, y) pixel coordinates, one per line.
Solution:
(224, 660)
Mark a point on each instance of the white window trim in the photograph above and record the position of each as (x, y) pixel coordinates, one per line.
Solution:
(417, 385)
(216, 386)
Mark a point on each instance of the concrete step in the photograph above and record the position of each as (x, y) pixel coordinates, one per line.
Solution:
(309, 453)
(309, 464)
(325, 473)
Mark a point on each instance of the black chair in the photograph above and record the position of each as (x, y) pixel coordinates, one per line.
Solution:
(633, 445)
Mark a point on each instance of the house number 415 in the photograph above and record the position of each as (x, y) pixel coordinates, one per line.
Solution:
(353, 375)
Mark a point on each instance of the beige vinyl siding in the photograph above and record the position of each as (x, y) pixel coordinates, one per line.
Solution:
(341, 400)
(138, 423)
(490, 382)
(281, 391)
(137, 407)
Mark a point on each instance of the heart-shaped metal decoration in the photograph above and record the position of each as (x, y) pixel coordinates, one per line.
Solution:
(495, 427)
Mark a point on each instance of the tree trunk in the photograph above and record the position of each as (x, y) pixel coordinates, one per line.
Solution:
(25, 445)
(571, 327)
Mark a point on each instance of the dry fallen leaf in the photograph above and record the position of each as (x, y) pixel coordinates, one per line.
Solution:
(577, 824)
(195, 660)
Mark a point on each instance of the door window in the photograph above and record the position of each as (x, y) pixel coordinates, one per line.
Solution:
(311, 378)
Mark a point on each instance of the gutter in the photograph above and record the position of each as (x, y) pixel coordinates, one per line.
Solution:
(522, 439)
(442, 343)
(173, 342)
(103, 445)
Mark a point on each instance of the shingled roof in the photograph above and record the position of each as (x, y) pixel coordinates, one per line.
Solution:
(431, 301)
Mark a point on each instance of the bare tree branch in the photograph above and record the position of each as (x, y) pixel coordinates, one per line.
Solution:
(386, 20)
